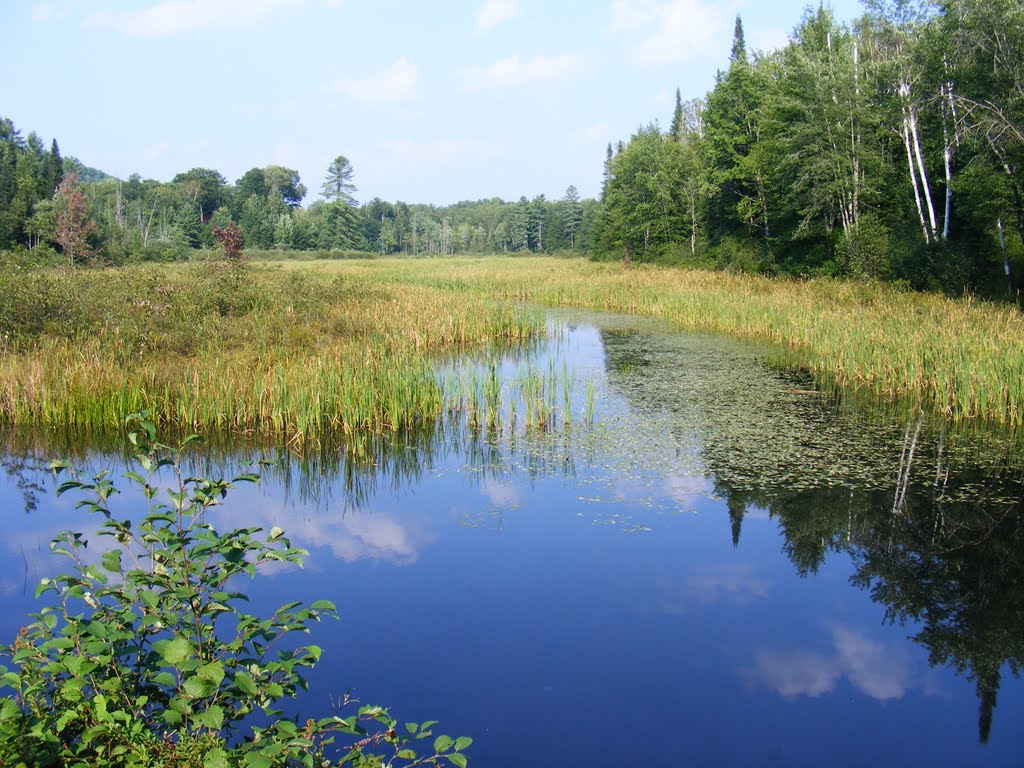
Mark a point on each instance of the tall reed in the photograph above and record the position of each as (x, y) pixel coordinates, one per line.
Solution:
(960, 357)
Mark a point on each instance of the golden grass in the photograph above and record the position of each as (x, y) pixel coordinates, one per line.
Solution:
(304, 348)
(296, 354)
(963, 358)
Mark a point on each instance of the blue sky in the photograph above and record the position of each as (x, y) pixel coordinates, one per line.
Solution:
(430, 102)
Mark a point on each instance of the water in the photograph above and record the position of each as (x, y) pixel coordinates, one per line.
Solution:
(727, 568)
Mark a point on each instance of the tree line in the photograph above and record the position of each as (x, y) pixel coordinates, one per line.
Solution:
(117, 220)
(890, 148)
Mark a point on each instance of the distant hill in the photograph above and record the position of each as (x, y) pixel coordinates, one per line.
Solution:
(85, 173)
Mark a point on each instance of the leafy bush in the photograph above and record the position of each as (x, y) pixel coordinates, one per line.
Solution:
(147, 658)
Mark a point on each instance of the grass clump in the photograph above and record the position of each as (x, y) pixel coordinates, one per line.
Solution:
(962, 358)
(233, 348)
(305, 348)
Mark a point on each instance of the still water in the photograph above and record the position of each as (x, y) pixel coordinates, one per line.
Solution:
(712, 564)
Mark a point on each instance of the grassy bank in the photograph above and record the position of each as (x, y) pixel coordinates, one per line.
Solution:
(963, 358)
(302, 348)
(236, 349)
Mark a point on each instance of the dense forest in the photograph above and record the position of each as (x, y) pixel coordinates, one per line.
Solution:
(888, 149)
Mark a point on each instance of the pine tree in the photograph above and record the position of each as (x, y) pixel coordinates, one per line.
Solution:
(607, 174)
(54, 170)
(572, 213)
(677, 118)
(739, 43)
(338, 186)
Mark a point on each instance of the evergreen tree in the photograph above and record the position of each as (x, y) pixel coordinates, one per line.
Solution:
(607, 175)
(572, 213)
(520, 234)
(338, 186)
(54, 171)
(739, 43)
(677, 118)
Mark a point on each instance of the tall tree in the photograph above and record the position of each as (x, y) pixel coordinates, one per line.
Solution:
(338, 186)
(732, 125)
(572, 213)
(677, 117)
(645, 207)
(54, 171)
(739, 42)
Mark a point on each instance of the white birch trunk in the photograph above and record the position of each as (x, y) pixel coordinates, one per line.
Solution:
(913, 177)
(924, 175)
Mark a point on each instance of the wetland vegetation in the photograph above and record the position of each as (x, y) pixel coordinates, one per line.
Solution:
(303, 349)
(813, 285)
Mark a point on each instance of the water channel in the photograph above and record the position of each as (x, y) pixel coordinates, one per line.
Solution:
(713, 563)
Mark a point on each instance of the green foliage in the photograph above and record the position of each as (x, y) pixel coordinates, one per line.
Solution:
(145, 655)
(645, 206)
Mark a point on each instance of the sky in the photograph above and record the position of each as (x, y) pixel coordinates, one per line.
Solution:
(431, 102)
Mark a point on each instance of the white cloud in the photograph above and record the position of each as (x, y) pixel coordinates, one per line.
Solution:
(173, 17)
(501, 495)
(516, 71)
(495, 12)
(737, 583)
(796, 673)
(871, 667)
(676, 30)
(875, 669)
(396, 83)
(47, 12)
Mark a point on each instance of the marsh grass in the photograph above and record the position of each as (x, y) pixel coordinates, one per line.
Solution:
(298, 353)
(301, 349)
(962, 358)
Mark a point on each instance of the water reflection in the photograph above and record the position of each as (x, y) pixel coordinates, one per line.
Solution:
(934, 521)
(694, 437)
(875, 667)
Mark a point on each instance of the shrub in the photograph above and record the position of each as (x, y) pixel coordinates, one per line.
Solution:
(148, 658)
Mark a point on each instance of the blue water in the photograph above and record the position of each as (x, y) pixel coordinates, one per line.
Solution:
(579, 599)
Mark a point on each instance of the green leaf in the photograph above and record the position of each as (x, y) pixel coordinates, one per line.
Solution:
(198, 688)
(112, 561)
(174, 651)
(322, 605)
(257, 761)
(171, 717)
(462, 743)
(216, 758)
(213, 672)
(9, 709)
(245, 683)
(443, 744)
(457, 759)
(406, 754)
(212, 718)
